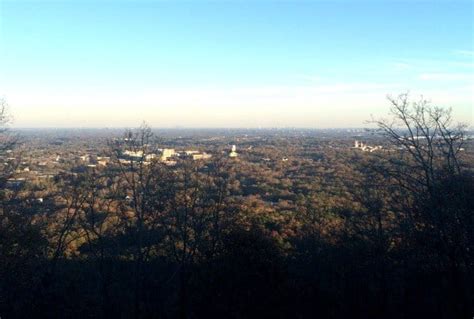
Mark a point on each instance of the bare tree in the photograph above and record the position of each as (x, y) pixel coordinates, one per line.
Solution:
(64, 228)
(195, 218)
(429, 142)
(99, 222)
(4, 116)
(139, 175)
(7, 143)
(426, 160)
(21, 239)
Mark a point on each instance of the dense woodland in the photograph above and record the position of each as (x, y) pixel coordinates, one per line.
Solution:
(334, 233)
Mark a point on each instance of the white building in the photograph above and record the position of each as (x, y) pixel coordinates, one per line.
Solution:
(133, 153)
(167, 153)
(201, 156)
(366, 148)
(233, 152)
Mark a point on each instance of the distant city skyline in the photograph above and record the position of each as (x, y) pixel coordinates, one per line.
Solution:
(236, 64)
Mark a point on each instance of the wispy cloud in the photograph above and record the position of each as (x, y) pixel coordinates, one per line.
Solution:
(468, 53)
(433, 64)
(446, 77)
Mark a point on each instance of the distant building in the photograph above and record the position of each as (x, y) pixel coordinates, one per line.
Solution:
(103, 160)
(150, 157)
(167, 153)
(201, 156)
(359, 144)
(134, 154)
(366, 148)
(233, 152)
(102, 163)
(124, 161)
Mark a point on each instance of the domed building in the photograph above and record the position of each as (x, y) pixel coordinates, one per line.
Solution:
(233, 152)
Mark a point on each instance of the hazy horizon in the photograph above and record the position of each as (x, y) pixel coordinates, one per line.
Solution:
(184, 128)
(237, 64)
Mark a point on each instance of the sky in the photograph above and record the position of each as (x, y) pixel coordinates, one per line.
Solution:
(241, 63)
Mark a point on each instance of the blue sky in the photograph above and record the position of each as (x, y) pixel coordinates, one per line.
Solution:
(231, 63)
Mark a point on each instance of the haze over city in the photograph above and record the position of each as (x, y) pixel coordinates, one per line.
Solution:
(230, 64)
